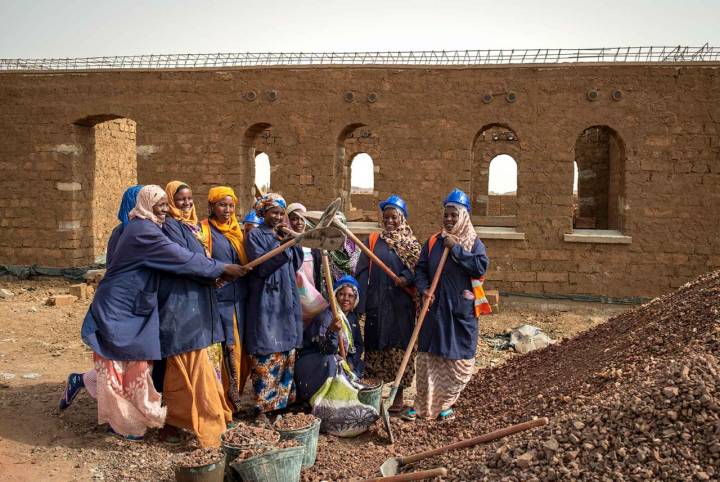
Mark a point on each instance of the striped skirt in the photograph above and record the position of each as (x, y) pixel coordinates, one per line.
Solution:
(439, 382)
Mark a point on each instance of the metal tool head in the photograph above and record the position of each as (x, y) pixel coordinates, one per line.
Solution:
(327, 216)
(390, 467)
(385, 412)
(328, 238)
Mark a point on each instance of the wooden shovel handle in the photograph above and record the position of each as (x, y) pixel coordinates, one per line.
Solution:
(421, 318)
(419, 475)
(372, 256)
(488, 437)
(272, 253)
(333, 302)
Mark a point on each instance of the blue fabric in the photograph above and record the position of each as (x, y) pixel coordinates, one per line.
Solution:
(112, 243)
(188, 308)
(128, 203)
(317, 359)
(389, 310)
(273, 320)
(450, 329)
(232, 297)
(123, 323)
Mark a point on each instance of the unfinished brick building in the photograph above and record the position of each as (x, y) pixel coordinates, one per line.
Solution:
(644, 137)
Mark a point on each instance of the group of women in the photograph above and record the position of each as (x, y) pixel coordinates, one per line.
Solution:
(179, 313)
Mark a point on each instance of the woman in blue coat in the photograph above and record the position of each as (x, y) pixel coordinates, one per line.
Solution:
(317, 360)
(448, 338)
(389, 309)
(189, 324)
(122, 326)
(274, 325)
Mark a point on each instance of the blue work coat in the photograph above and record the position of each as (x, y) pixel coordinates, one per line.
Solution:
(450, 329)
(123, 321)
(189, 317)
(112, 243)
(273, 321)
(232, 297)
(317, 360)
(389, 310)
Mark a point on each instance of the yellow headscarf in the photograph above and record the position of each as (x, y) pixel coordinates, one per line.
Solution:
(231, 230)
(189, 218)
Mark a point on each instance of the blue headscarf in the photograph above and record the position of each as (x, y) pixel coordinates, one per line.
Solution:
(127, 203)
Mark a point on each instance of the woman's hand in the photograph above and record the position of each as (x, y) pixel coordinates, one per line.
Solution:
(336, 325)
(450, 241)
(402, 282)
(427, 295)
(235, 270)
(219, 283)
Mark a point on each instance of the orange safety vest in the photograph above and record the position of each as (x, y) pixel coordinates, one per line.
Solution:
(481, 305)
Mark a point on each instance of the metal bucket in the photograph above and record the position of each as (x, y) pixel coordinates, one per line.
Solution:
(213, 472)
(282, 465)
(372, 396)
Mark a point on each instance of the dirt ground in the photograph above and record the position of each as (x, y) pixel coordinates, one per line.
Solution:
(40, 345)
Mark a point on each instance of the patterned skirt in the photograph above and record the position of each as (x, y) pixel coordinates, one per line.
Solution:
(272, 378)
(385, 364)
(440, 382)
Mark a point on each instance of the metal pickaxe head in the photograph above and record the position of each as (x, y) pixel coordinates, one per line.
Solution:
(328, 238)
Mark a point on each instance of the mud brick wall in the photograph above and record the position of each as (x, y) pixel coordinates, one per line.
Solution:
(427, 130)
(502, 205)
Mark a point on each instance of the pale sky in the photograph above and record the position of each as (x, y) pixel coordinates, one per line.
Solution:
(86, 28)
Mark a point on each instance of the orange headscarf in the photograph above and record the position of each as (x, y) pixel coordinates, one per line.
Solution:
(189, 218)
(231, 230)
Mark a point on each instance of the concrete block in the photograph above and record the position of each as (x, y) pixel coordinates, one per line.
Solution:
(79, 291)
(61, 300)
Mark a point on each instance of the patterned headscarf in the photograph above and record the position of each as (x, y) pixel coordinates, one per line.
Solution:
(403, 242)
(463, 229)
(147, 198)
(190, 218)
(127, 203)
(268, 201)
(231, 230)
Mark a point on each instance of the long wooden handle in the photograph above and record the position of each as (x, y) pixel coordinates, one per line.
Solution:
(488, 437)
(371, 255)
(419, 475)
(421, 318)
(333, 301)
(272, 253)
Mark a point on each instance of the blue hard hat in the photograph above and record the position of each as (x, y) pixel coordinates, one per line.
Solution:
(394, 201)
(346, 280)
(252, 218)
(458, 197)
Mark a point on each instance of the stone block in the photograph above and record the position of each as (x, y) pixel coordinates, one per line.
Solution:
(61, 300)
(79, 291)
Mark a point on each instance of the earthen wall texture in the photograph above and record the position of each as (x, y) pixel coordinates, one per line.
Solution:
(422, 128)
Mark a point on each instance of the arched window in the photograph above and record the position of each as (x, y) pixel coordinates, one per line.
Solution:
(600, 177)
(502, 186)
(362, 174)
(262, 172)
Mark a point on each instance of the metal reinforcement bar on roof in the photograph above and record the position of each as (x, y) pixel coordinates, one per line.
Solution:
(678, 53)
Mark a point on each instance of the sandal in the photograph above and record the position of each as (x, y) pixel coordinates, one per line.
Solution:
(129, 438)
(72, 388)
(410, 415)
(446, 415)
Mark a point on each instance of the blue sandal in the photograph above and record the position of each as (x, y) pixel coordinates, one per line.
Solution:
(72, 388)
(446, 415)
(410, 415)
(129, 438)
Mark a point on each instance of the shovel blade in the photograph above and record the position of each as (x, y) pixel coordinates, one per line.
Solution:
(329, 239)
(327, 216)
(385, 415)
(390, 467)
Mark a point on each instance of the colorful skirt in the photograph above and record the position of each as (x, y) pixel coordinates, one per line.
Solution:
(126, 397)
(232, 365)
(384, 365)
(272, 379)
(194, 397)
(440, 382)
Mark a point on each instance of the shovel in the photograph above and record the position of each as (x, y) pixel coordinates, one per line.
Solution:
(322, 236)
(333, 302)
(419, 475)
(384, 408)
(390, 466)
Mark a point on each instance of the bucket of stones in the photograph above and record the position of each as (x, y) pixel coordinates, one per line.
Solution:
(243, 437)
(202, 465)
(279, 463)
(305, 429)
(372, 393)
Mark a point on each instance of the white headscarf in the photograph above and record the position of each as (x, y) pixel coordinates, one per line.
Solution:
(147, 198)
